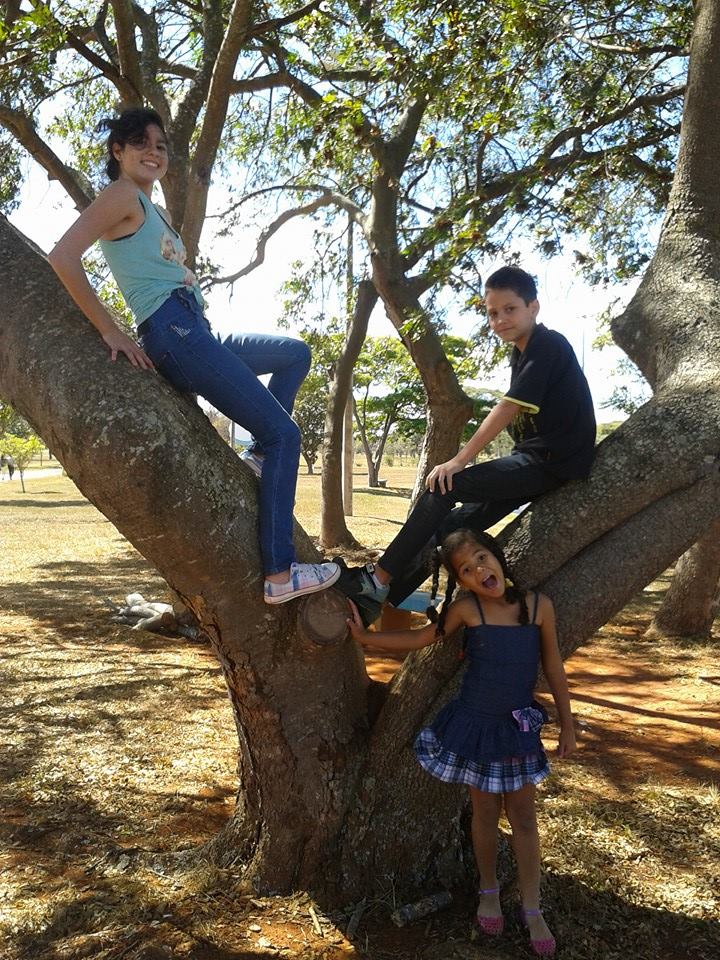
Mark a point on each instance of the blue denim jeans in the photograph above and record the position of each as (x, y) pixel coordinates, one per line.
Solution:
(178, 340)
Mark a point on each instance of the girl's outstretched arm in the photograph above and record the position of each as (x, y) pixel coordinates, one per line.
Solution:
(403, 641)
(110, 208)
(555, 672)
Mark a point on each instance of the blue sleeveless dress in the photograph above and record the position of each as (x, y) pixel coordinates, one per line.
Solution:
(489, 736)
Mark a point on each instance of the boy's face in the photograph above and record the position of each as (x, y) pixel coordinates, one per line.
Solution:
(510, 317)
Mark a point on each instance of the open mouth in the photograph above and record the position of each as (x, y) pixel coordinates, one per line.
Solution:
(490, 581)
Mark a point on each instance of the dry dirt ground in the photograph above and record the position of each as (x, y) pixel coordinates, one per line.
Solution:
(118, 750)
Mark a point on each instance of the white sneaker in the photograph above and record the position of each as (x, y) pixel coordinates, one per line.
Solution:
(253, 461)
(304, 578)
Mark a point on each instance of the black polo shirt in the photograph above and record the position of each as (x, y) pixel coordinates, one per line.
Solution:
(556, 420)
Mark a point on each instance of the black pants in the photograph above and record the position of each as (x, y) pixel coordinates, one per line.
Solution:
(488, 492)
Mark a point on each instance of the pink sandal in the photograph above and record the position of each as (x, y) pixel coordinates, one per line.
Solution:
(492, 926)
(545, 947)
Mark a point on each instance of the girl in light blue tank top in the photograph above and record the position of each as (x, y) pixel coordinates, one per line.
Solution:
(149, 265)
(488, 737)
(147, 258)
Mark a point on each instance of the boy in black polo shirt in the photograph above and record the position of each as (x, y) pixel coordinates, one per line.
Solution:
(547, 410)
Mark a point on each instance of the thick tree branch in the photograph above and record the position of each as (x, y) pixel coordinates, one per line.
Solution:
(23, 129)
(148, 63)
(189, 109)
(397, 149)
(213, 122)
(101, 33)
(126, 46)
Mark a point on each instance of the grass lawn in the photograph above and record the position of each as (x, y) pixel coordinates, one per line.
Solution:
(119, 747)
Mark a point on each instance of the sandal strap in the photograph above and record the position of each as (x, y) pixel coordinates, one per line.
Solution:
(492, 890)
(531, 913)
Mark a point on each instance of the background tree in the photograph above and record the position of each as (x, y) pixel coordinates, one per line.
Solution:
(443, 135)
(388, 392)
(309, 414)
(11, 422)
(22, 450)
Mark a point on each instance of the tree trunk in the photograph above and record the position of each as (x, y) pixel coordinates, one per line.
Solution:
(333, 528)
(692, 601)
(148, 458)
(309, 462)
(372, 472)
(324, 798)
(448, 406)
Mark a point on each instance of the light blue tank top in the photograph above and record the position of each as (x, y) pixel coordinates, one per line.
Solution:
(149, 264)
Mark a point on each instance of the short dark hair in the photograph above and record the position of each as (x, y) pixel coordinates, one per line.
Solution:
(128, 127)
(515, 279)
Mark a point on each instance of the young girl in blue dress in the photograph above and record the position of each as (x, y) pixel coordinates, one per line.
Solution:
(147, 258)
(489, 736)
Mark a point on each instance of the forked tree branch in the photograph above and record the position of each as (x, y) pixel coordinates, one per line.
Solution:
(329, 198)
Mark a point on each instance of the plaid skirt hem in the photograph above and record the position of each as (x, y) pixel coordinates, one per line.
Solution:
(491, 776)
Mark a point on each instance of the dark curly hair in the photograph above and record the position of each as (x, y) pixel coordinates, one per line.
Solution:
(450, 545)
(128, 127)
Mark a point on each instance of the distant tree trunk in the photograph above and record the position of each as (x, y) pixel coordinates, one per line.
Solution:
(333, 528)
(310, 465)
(372, 469)
(692, 601)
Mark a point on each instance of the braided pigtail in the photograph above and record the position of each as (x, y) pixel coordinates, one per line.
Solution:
(514, 594)
(449, 591)
(432, 612)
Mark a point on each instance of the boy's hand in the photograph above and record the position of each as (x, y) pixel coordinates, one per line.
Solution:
(356, 626)
(442, 475)
(566, 742)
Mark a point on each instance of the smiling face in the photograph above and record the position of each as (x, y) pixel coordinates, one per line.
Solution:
(478, 569)
(144, 161)
(510, 317)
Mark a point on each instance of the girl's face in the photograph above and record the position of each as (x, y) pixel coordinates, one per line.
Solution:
(146, 161)
(479, 570)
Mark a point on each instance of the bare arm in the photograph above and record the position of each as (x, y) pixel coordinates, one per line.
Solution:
(555, 672)
(496, 421)
(403, 641)
(109, 209)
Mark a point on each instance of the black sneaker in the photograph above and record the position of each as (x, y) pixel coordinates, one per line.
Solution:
(358, 585)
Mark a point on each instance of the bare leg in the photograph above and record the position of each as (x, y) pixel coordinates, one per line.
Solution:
(486, 809)
(520, 809)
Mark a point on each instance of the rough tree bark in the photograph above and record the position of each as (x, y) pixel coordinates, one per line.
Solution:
(692, 601)
(322, 797)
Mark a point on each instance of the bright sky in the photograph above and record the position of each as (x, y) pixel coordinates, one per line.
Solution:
(568, 304)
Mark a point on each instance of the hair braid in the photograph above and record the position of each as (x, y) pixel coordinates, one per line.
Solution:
(432, 612)
(449, 591)
(514, 594)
